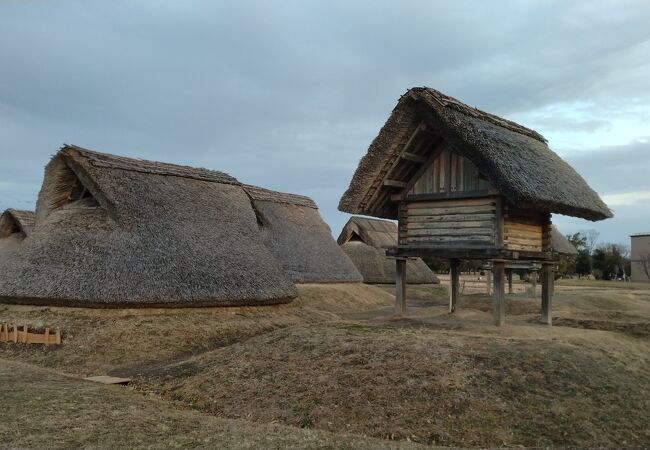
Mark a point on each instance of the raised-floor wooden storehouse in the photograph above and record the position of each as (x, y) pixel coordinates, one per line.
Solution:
(466, 184)
(364, 240)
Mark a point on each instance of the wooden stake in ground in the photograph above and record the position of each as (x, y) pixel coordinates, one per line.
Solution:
(400, 286)
(548, 280)
(499, 295)
(454, 280)
(533, 282)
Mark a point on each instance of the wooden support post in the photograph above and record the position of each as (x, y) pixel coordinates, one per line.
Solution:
(533, 282)
(488, 277)
(25, 333)
(454, 283)
(57, 335)
(15, 333)
(46, 339)
(498, 296)
(547, 291)
(400, 286)
(509, 281)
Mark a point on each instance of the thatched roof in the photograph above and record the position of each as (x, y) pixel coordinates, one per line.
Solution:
(514, 159)
(295, 233)
(16, 221)
(560, 244)
(118, 231)
(15, 226)
(363, 240)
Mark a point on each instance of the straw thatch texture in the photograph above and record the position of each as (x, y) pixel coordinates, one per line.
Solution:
(514, 159)
(295, 233)
(117, 231)
(560, 244)
(15, 226)
(363, 240)
(15, 221)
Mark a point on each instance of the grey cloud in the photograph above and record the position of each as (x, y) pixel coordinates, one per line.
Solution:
(288, 95)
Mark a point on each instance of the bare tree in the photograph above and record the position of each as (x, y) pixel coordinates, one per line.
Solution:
(591, 237)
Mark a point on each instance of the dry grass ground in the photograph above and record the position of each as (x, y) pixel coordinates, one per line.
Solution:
(41, 409)
(99, 341)
(338, 361)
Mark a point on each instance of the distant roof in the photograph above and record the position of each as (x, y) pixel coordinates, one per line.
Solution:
(374, 232)
(560, 244)
(514, 159)
(640, 234)
(24, 220)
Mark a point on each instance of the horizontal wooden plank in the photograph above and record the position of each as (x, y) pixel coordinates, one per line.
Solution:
(522, 241)
(523, 247)
(449, 224)
(448, 239)
(451, 210)
(449, 218)
(481, 201)
(523, 227)
(451, 232)
(522, 235)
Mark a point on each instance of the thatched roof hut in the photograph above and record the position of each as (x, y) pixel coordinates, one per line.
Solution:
(515, 160)
(116, 231)
(363, 240)
(296, 234)
(561, 244)
(15, 226)
(466, 184)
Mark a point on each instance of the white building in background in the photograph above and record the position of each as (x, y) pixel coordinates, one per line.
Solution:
(640, 249)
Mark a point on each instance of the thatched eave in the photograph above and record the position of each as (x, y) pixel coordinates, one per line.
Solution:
(514, 159)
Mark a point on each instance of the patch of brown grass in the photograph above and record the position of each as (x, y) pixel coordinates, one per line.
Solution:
(430, 386)
(97, 341)
(41, 409)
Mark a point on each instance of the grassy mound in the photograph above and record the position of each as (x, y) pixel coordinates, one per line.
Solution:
(124, 340)
(433, 387)
(45, 410)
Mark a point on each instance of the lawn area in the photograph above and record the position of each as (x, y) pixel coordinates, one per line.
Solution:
(336, 368)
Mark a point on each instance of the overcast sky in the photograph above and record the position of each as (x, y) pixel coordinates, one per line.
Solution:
(288, 95)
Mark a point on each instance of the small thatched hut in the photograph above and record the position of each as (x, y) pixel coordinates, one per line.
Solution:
(15, 226)
(116, 231)
(364, 240)
(296, 234)
(466, 184)
(560, 244)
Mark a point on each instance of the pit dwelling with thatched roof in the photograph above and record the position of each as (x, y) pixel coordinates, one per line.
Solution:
(297, 236)
(364, 240)
(113, 231)
(15, 226)
(466, 184)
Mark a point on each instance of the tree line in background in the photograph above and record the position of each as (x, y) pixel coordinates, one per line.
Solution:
(604, 261)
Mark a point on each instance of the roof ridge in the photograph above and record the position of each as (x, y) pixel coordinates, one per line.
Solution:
(108, 160)
(453, 103)
(263, 194)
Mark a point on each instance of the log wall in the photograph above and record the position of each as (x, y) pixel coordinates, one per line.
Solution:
(449, 222)
(524, 230)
